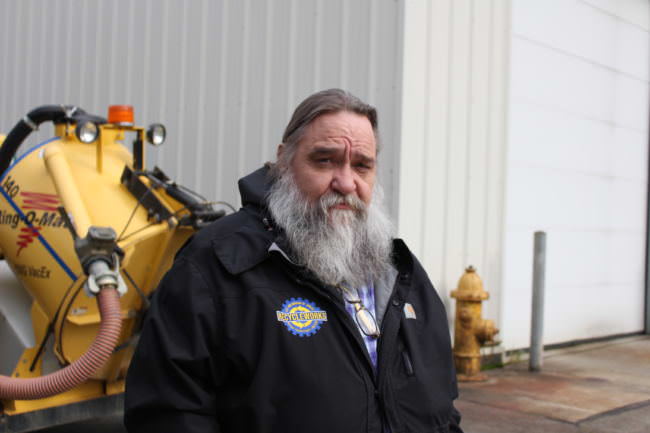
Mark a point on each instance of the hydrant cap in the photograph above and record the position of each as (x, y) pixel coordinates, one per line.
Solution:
(470, 285)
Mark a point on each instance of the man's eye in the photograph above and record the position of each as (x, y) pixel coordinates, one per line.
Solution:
(363, 167)
(323, 161)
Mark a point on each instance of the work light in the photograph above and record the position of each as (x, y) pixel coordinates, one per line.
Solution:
(156, 134)
(87, 131)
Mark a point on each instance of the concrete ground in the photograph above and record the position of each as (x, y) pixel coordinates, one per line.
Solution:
(594, 388)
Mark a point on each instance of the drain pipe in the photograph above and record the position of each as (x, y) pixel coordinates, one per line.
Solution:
(535, 360)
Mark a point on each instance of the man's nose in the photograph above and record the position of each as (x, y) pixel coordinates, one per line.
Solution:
(343, 181)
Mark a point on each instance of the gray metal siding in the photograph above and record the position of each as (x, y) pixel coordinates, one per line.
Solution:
(223, 76)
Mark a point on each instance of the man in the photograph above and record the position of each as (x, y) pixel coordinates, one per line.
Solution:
(299, 312)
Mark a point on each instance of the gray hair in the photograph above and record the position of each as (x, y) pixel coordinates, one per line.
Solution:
(317, 104)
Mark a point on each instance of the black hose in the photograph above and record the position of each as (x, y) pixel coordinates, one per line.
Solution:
(23, 128)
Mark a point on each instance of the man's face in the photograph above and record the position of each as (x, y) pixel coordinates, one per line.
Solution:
(336, 154)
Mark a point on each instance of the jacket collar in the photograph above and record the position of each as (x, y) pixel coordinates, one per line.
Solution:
(254, 188)
(243, 249)
(247, 246)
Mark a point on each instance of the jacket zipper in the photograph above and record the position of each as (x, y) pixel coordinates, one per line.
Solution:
(382, 379)
(350, 325)
(381, 376)
(408, 365)
(375, 378)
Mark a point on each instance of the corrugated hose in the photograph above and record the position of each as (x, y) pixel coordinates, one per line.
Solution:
(80, 370)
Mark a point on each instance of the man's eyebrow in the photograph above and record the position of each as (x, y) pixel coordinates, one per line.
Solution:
(329, 151)
(364, 158)
(322, 150)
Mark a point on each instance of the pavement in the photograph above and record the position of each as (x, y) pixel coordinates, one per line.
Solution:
(593, 388)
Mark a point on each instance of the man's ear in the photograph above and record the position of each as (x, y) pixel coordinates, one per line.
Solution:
(280, 151)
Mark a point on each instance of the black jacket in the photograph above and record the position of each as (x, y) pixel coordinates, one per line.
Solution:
(223, 348)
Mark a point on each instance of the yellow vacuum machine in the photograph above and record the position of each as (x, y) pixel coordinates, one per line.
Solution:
(88, 232)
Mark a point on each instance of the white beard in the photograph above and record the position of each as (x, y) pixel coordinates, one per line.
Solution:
(338, 245)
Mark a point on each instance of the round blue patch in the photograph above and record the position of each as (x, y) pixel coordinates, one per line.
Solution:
(301, 317)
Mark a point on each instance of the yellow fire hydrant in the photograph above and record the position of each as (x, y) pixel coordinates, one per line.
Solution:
(471, 331)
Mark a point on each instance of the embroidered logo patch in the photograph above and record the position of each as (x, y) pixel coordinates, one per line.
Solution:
(301, 317)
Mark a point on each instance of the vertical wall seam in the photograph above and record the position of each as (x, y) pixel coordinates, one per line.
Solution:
(41, 60)
(222, 88)
(241, 152)
(129, 52)
(16, 63)
(55, 59)
(372, 49)
(268, 64)
(113, 61)
(291, 61)
(345, 22)
(468, 128)
(487, 184)
(160, 156)
(503, 196)
(426, 133)
(200, 141)
(146, 54)
(84, 48)
(181, 93)
(29, 70)
(98, 53)
(450, 51)
(4, 104)
(318, 28)
(67, 77)
(398, 66)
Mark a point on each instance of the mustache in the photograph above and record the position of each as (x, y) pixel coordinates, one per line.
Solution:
(330, 199)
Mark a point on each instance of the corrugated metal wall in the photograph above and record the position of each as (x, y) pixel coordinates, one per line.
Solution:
(224, 76)
(453, 135)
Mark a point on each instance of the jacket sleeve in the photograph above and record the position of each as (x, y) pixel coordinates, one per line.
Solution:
(454, 422)
(172, 379)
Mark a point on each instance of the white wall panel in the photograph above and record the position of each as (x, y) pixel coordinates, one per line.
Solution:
(455, 74)
(577, 167)
(223, 76)
(632, 12)
(540, 75)
(560, 25)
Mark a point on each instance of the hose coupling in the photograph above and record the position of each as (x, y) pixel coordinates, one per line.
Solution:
(100, 258)
(101, 276)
